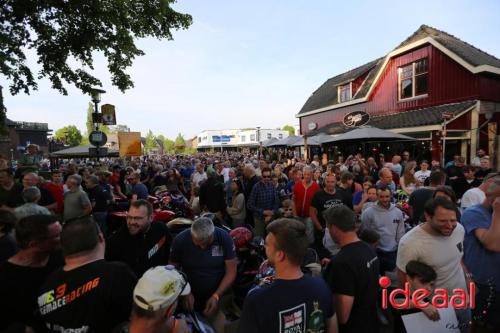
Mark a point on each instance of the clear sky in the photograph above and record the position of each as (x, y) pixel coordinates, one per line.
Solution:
(255, 63)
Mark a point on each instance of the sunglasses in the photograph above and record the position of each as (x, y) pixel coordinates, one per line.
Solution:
(266, 176)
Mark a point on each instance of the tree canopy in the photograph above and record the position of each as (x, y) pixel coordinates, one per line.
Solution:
(150, 141)
(180, 143)
(66, 35)
(289, 128)
(69, 134)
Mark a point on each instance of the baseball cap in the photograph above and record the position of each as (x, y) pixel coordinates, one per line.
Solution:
(160, 287)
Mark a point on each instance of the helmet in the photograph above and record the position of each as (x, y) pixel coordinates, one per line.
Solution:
(241, 236)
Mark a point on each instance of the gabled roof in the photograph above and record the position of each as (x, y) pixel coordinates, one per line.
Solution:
(418, 117)
(474, 59)
(327, 93)
(467, 52)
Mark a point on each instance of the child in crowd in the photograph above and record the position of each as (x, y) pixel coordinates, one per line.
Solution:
(195, 201)
(419, 275)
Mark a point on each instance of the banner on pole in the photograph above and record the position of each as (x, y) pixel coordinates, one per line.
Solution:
(130, 143)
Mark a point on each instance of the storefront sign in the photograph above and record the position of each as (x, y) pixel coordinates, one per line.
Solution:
(312, 126)
(108, 114)
(356, 118)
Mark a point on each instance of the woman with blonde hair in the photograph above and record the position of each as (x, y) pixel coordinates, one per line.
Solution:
(408, 182)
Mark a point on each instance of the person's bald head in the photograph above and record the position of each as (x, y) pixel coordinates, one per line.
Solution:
(30, 179)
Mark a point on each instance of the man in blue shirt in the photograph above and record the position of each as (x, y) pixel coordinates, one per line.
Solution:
(139, 190)
(206, 255)
(482, 255)
(263, 202)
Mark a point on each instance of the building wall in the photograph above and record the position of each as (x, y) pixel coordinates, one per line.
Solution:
(448, 82)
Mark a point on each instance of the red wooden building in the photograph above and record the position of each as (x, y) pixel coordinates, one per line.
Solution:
(409, 89)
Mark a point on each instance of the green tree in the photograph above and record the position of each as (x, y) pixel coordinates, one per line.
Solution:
(289, 128)
(150, 142)
(180, 143)
(70, 135)
(65, 36)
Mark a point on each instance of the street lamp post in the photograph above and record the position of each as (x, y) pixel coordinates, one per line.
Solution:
(258, 141)
(96, 98)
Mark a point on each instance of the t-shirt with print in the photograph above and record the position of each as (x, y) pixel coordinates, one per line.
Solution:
(323, 200)
(418, 244)
(288, 306)
(354, 271)
(19, 285)
(92, 298)
(141, 251)
(204, 268)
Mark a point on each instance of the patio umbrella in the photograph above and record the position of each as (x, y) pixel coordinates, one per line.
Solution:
(285, 142)
(368, 132)
(267, 143)
(311, 141)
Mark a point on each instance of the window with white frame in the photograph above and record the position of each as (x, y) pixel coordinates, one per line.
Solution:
(413, 79)
(280, 136)
(345, 92)
(269, 136)
(252, 137)
(243, 138)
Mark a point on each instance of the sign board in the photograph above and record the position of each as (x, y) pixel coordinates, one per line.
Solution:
(94, 152)
(356, 118)
(312, 126)
(108, 114)
(219, 139)
(98, 138)
(130, 143)
(447, 115)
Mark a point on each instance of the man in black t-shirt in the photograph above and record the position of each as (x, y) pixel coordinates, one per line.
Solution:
(88, 294)
(140, 243)
(321, 201)
(293, 302)
(11, 193)
(100, 198)
(420, 196)
(22, 275)
(352, 274)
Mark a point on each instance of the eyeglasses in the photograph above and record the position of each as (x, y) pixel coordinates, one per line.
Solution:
(266, 176)
(135, 218)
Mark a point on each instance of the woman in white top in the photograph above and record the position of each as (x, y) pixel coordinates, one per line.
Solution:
(237, 211)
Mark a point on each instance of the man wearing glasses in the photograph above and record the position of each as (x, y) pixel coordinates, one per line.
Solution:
(263, 202)
(141, 243)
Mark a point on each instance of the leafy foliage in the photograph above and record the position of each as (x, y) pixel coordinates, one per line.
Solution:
(70, 135)
(289, 128)
(150, 141)
(180, 143)
(66, 35)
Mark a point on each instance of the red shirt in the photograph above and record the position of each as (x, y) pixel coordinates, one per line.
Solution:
(302, 197)
(57, 191)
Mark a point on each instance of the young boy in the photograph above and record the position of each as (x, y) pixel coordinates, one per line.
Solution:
(419, 276)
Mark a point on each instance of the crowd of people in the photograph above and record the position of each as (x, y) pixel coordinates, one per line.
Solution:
(64, 267)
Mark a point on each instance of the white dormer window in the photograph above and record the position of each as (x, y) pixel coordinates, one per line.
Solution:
(252, 137)
(345, 92)
(269, 136)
